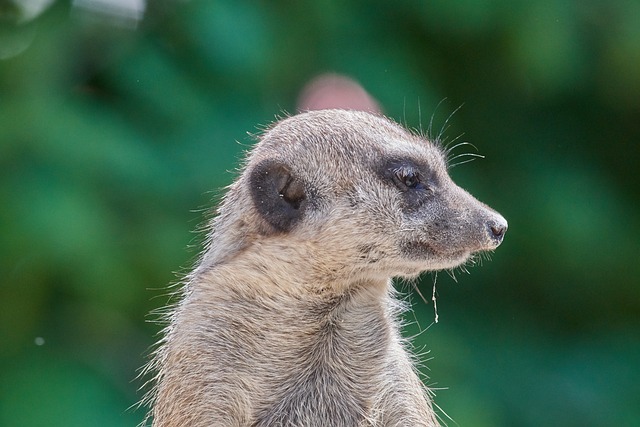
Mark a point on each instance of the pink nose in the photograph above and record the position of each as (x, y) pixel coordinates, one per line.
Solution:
(497, 227)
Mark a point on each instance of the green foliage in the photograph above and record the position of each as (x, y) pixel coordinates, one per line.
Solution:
(113, 136)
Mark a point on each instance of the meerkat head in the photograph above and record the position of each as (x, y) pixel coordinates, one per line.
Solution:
(368, 197)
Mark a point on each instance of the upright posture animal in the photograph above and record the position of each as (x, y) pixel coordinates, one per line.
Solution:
(290, 317)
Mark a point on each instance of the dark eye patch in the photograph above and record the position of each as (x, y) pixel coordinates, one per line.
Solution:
(407, 175)
(415, 181)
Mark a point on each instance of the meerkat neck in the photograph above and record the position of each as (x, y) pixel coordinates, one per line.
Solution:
(272, 268)
(326, 336)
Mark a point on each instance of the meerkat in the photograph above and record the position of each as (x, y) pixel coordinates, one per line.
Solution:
(290, 317)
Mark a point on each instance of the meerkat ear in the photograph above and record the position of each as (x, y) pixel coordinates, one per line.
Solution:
(278, 195)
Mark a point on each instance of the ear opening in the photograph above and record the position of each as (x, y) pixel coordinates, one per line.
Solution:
(278, 195)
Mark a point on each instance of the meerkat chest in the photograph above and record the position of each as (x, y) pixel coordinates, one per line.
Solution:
(330, 376)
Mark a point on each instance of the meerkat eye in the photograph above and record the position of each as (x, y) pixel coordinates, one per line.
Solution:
(408, 178)
(411, 180)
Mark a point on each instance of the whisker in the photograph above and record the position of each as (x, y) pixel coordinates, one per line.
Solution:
(404, 111)
(445, 125)
(460, 144)
(445, 143)
(461, 163)
(432, 116)
(452, 274)
(467, 154)
(457, 156)
(420, 118)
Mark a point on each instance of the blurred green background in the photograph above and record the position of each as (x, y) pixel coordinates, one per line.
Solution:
(120, 125)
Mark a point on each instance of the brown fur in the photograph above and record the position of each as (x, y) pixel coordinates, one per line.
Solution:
(290, 318)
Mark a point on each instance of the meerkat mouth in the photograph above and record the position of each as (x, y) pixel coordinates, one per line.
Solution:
(419, 250)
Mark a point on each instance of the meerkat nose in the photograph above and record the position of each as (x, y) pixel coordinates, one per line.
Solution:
(497, 227)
